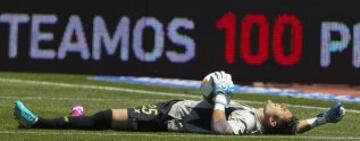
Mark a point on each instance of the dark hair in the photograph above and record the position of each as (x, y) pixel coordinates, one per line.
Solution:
(284, 126)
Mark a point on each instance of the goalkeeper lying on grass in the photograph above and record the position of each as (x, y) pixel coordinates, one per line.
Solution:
(215, 115)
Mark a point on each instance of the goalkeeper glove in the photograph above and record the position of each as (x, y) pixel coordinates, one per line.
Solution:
(332, 115)
(223, 88)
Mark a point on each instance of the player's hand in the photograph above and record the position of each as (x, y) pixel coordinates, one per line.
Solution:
(334, 114)
(222, 83)
(223, 87)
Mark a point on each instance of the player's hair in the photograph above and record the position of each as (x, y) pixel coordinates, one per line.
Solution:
(284, 126)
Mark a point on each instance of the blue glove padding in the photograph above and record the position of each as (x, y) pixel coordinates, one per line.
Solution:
(231, 90)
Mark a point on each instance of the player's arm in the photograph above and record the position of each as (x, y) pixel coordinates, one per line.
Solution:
(303, 126)
(221, 82)
(333, 115)
(219, 123)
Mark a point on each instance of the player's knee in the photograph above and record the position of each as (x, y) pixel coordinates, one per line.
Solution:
(103, 120)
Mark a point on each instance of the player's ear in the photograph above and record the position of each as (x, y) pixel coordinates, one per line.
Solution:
(273, 121)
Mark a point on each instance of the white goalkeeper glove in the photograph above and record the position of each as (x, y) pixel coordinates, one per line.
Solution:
(332, 115)
(223, 88)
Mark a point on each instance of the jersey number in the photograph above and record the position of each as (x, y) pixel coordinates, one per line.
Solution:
(149, 109)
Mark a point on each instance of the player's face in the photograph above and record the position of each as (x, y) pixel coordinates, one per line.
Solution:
(279, 110)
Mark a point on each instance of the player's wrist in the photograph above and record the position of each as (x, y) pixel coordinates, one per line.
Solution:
(219, 106)
(316, 121)
(221, 99)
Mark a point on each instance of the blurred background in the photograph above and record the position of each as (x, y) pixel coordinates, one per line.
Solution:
(302, 45)
(115, 54)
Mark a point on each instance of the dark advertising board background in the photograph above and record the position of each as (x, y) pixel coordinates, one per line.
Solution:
(190, 31)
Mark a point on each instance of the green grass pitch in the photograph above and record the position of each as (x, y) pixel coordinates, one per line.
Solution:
(52, 95)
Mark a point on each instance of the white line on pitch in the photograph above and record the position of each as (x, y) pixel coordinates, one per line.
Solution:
(102, 134)
(119, 89)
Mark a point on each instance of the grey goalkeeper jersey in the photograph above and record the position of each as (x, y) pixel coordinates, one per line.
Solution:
(195, 117)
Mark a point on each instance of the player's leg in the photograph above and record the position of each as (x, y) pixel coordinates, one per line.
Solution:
(149, 117)
(143, 118)
(100, 121)
(120, 120)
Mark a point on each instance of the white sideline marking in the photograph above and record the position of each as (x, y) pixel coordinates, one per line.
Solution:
(120, 134)
(94, 87)
(119, 89)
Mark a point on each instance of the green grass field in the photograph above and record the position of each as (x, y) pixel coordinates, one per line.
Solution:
(52, 95)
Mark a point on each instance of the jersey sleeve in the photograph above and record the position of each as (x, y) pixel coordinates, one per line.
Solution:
(241, 122)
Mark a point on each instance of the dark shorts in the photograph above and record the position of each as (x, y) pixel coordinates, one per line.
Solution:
(152, 117)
